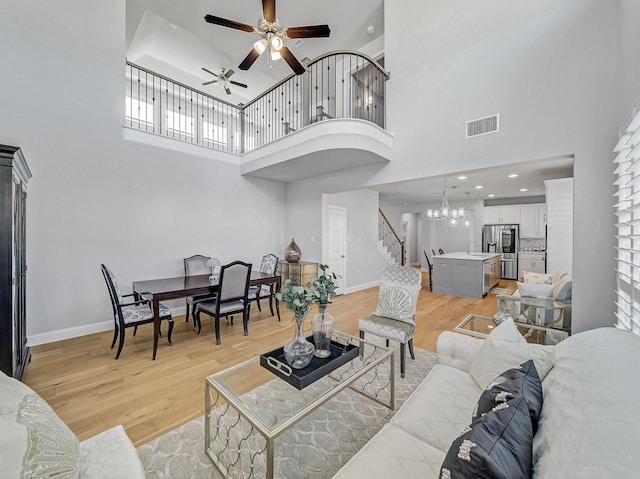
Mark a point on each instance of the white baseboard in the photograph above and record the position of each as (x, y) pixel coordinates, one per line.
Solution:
(84, 330)
(68, 333)
(360, 287)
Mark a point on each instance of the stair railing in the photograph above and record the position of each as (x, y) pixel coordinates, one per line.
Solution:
(339, 84)
(390, 238)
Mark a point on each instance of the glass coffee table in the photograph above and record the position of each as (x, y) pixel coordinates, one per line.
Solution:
(248, 407)
(480, 327)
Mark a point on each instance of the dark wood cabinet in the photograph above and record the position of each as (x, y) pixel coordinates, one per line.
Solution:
(14, 175)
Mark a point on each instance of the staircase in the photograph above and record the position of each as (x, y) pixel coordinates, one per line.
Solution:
(386, 252)
(389, 243)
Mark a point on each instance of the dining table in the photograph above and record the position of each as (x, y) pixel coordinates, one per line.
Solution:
(157, 290)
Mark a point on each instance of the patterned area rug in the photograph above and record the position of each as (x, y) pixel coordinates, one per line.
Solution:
(314, 448)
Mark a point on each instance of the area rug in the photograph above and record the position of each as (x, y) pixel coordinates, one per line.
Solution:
(501, 291)
(314, 448)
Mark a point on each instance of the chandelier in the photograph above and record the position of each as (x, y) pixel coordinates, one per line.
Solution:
(445, 212)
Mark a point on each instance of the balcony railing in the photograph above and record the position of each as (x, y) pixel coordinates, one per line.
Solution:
(336, 85)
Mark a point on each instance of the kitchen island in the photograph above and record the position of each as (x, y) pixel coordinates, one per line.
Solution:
(466, 274)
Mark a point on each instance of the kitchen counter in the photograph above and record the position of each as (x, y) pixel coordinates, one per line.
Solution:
(465, 274)
(468, 256)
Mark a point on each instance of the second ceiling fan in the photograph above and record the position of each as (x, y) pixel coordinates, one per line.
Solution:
(223, 80)
(272, 36)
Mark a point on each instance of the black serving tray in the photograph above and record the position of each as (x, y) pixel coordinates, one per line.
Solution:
(317, 368)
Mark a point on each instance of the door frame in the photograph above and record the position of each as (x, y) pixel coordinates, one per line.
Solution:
(325, 250)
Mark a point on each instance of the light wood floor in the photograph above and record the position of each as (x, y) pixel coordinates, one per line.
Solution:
(91, 391)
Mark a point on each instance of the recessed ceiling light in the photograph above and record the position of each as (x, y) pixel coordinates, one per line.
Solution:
(491, 195)
(462, 177)
(174, 26)
(479, 187)
(513, 175)
(523, 189)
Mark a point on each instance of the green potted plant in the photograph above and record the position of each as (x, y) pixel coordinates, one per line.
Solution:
(298, 299)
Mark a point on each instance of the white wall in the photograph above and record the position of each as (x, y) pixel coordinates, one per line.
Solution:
(364, 262)
(550, 69)
(629, 58)
(95, 198)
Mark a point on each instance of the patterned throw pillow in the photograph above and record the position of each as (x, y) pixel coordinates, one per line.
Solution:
(536, 278)
(52, 449)
(562, 289)
(522, 381)
(396, 303)
(496, 446)
(533, 290)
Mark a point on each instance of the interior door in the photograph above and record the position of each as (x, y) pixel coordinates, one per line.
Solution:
(338, 245)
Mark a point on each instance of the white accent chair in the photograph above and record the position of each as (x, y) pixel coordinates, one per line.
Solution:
(395, 317)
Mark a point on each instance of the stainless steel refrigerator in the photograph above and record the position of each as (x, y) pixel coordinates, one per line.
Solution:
(503, 239)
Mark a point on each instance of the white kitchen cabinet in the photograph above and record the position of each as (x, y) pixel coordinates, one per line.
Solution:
(533, 220)
(501, 215)
(532, 262)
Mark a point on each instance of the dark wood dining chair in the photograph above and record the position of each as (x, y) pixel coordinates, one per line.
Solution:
(131, 314)
(232, 297)
(196, 265)
(430, 271)
(269, 265)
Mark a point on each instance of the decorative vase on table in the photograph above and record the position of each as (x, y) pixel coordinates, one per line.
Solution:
(299, 352)
(292, 253)
(322, 327)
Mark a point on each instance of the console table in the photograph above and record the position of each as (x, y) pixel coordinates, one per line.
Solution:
(299, 273)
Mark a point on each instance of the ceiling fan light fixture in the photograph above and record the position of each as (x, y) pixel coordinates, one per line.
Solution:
(276, 43)
(260, 46)
(275, 55)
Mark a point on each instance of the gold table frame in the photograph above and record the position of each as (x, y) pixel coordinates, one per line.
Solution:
(231, 426)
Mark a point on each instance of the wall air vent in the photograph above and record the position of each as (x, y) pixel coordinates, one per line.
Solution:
(483, 126)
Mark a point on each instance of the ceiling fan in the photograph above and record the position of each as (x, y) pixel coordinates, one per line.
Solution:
(272, 36)
(223, 78)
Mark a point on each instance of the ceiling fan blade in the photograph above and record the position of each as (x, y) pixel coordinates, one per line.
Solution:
(228, 74)
(237, 84)
(228, 23)
(269, 10)
(311, 31)
(293, 62)
(249, 59)
(209, 72)
(210, 82)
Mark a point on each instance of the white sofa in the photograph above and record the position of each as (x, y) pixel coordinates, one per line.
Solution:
(35, 443)
(589, 425)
